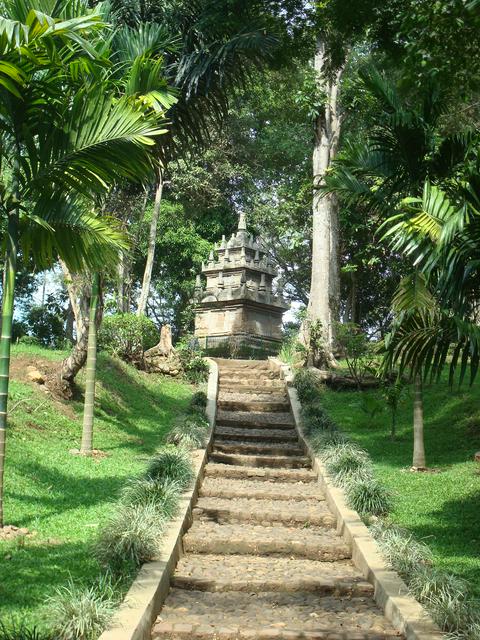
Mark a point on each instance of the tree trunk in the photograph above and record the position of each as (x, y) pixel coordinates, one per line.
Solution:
(69, 324)
(6, 338)
(323, 305)
(88, 410)
(419, 461)
(79, 291)
(147, 275)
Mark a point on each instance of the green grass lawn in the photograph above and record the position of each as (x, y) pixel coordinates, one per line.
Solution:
(443, 508)
(64, 498)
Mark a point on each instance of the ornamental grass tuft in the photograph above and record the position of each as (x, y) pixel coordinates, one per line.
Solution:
(367, 496)
(20, 631)
(163, 494)
(131, 537)
(172, 463)
(81, 612)
(346, 463)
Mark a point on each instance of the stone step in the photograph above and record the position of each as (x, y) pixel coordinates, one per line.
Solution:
(257, 395)
(265, 512)
(225, 364)
(294, 616)
(257, 435)
(254, 574)
(261, 490)
(218, 470)
(257, 448)
(254, 406)
(263, 420)
(313, 543)
(243, 460)
(250, 386)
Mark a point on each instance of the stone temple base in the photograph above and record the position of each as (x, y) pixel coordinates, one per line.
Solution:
(239, 346)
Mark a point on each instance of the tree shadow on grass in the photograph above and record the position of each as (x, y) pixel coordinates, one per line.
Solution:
(453, 533)
(31, 572)
(68, 492)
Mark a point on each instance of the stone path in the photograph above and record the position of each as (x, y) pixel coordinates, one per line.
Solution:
(262, 557)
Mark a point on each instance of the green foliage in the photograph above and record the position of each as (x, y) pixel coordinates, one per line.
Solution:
(356, 349)
(292, 351)
(199, 400)
(368, 496)
(127, 336)
(307, 386)
(348, 463)
(162, 494)
(190, 431)
(315, 418)
(171, 463)
(75, 611)
(130, 537)
(405, 554)
(21, 631)
(447, 597)
(194, 366)
(46, 323)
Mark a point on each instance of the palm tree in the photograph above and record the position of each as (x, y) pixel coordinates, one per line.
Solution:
(60, 147)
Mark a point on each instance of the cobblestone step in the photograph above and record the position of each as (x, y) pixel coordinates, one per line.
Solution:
(218, 470)
(264, 420)
(257, 395)
(261, 489)
(246, 386)
(258, 448)
(254, 406)
(313, 543)
(288, 462)
(293, 616)
(265, 512)
(257, 435)
(254, 574)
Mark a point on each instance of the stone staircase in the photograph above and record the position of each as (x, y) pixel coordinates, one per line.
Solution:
(262, 557)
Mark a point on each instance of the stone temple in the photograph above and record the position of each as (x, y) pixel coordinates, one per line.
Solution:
(238, 311)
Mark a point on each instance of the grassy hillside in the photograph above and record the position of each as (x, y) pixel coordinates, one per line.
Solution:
(441, 507)
(61, 497)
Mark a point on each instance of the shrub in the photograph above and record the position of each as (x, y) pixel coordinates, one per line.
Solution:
(199, 400)
(368, 497)
(29, 340)
(163, 494)
(307, 386)
(82, 612)
(292, 351)
(190, 431)
(19, 631)
(348, 462)
(402, 552)
(127, 336)
(172, 464)
(315, 418)
(131, 536)
(324, 442)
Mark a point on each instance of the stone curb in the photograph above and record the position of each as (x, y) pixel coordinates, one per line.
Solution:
(391, 593)
(137, 613)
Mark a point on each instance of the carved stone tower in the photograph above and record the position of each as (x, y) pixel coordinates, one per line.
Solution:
(238, 307)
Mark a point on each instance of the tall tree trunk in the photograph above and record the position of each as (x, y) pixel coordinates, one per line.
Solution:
(419, 461)
(323, 302)
(79, 291)
(88, 410)
(147, 275)
(69, 324)
(6, 338)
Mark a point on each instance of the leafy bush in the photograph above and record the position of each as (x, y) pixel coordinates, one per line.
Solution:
(348, 462)
(131, 536)
(307, 385)
(20, 631)
(194, 366)
(191, 431)
(367, 496)
(292, 351)
(402, 552)
(29, 340)
(199, 400)
(315, 418)
(82, 612)
(163, 494)
(324, 442)
(172, 463)
(127, 336)
(46, 322)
